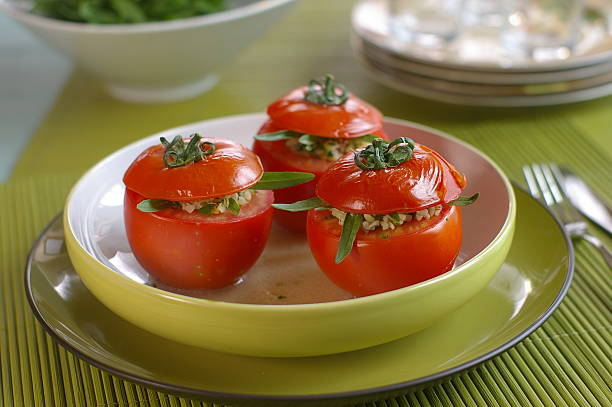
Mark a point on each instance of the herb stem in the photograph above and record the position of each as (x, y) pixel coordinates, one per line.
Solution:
(178, 153)
(326, 92)
(380, 154)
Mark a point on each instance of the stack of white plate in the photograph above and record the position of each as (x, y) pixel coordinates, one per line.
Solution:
(474, 70)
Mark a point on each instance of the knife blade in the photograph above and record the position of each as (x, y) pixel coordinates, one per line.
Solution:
(584, 199)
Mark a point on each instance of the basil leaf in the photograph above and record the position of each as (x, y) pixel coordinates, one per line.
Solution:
(305, 205)
(278, 180)
(464, 200)
(234, 206)
(153, 205)
(352, 223)
(277, 135)
(207, 209)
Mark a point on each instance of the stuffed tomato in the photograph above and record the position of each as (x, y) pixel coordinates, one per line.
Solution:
(198, 211)
(385, 217)
(308, 129)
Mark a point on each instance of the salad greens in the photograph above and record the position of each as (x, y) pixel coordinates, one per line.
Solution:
(125, 11)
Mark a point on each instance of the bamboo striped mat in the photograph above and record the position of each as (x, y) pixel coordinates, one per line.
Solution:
(566, 362)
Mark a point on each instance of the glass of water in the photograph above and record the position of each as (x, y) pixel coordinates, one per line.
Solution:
(542, 30)
(428, 23)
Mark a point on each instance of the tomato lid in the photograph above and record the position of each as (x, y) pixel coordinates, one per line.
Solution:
(424, 180)
(353, 118)
(229, 169)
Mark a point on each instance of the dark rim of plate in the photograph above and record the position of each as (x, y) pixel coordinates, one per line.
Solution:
(397, 388)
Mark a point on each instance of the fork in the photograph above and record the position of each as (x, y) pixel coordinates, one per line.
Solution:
(544, 185)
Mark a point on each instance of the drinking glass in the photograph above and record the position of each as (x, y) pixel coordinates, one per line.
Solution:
(542, 30)
(428, 23)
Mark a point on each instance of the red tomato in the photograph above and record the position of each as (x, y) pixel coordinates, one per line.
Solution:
(425, 180)
(277, 156)
(386, 260)
(354, 118)
(196, 251)
(230, 169)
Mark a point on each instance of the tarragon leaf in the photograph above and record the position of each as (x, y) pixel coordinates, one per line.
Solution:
(464, 200)
(352, 223)
(153, 205)
(305, 205)
(278, 180)
(277, 135)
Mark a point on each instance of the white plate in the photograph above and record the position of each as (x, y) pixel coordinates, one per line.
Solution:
(393, 82)
(370, 21)
(372, 52)
(487, 90)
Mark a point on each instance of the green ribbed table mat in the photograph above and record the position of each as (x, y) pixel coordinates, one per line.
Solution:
(565, 362)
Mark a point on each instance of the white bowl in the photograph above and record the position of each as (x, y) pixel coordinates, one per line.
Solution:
(158, 61)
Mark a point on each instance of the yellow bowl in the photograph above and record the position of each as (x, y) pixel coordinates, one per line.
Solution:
(92, 219)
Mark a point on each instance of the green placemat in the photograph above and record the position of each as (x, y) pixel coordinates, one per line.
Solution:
(565, 362)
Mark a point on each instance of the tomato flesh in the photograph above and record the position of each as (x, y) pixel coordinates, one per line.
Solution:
(196, 251)
(277, 156)
(382, 261)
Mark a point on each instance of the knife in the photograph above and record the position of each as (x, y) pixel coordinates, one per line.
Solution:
(585, 200)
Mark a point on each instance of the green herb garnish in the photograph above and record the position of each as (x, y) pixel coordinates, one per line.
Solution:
(278, 180)
(326, 92)
(277, 135)
(380, 154)
(154, 205)
(305, 205)
(234, 206)
(207, 209)
(310, 143)
(395, 218)
(124, 11)
(178, 153)
(352, 223)
(464, 200)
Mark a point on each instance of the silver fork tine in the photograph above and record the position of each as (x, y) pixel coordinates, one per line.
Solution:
(567, 210)
(544, 185)
(556, 193)
(531, 182)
